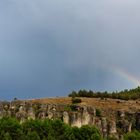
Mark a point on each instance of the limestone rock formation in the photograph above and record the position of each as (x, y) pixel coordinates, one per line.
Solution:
(74, 115)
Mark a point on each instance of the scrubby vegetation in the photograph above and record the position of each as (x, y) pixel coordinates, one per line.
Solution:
(131, 94)
(98, 112)
(76, 100)
(71, 107)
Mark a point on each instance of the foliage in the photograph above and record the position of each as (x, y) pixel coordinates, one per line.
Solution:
(76, 100)
(90, 133)
(132, 136)
(11, 129)
(71, 107)
(112, 138)
(32, 136)
(67, 108)
(131, 94)
(98, 112)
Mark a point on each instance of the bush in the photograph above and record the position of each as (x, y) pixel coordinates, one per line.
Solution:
(90, 133)
(76, 100)
(135, 135)
(98, 112)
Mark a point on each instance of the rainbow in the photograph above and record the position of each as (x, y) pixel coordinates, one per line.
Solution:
(125, 75)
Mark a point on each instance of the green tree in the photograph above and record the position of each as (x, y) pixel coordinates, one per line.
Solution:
(57, 130)
(33, 126)
(32, 136)
(7, 136)
(132, 136)
(73, 133)
(10, 129)
(90, 133)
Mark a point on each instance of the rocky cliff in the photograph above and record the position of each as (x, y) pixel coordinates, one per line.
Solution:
(110, 121)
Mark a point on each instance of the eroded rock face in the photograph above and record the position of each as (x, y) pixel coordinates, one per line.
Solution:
(121, 113)
(75, 115)
(104, 127)
(75, 119)
(112, 127)
(86, 118)
(31, 113)
(66, 118)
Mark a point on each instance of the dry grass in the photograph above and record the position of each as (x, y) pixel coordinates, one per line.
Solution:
(58, 100)
(113, 104)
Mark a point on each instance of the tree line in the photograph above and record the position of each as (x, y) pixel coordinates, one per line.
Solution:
(126, 94)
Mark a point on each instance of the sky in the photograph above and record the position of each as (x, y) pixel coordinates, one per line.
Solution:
(49, 48)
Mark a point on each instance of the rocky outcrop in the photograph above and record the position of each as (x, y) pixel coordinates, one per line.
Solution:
(75, 115)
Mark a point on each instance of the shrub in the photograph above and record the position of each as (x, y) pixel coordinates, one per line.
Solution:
(76, 100)
(98, 112)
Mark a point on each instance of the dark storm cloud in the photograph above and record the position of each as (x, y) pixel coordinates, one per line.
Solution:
(49, 48)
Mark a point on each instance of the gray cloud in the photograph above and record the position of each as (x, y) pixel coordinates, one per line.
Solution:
(49, 48)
